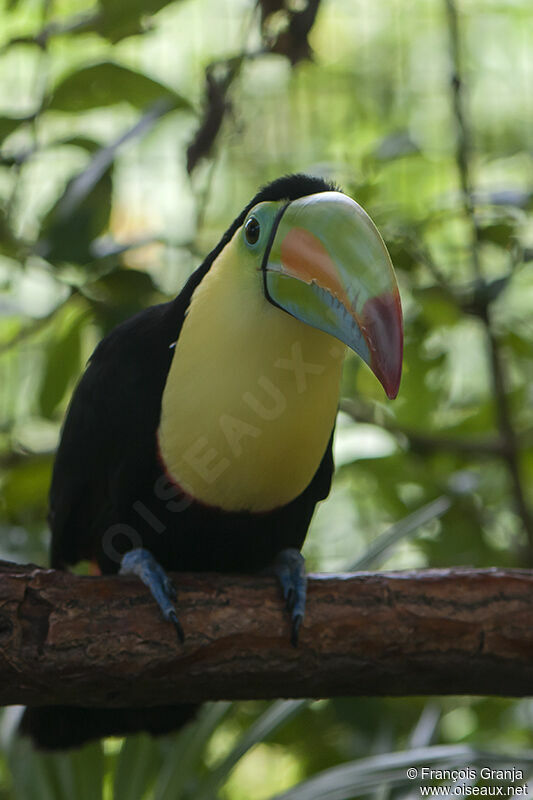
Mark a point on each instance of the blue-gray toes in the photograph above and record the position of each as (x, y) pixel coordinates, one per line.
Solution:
(289, 568)
(142, 563)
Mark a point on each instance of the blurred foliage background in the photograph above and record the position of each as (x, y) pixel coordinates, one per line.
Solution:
(131, 133)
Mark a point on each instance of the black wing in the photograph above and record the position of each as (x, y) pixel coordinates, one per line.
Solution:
(108, 437)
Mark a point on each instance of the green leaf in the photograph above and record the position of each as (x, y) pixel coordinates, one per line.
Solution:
(25, 489)
(416, 384)
(401, 255)
(57, 776)
(84, 142)
(108, 83)
(9, 245)
(500, 233)
(69, 228)
(121, 18)
(63, 358)
(81, 773)
(521, 345)
(129, 287)
(31, 773)
(365, 775)
(138, 764)
(426, 727)
(120, 294)
(181, 763)
(82, 212)
(438, 305)
(276, 715)
(10, 124)
(399, 531)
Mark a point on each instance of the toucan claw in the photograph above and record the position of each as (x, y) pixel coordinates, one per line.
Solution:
(295, 632)
(141, 562)
(289, 569)
(170, 589)
(173, 617)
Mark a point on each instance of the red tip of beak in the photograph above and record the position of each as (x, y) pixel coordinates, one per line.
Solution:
(382, 328)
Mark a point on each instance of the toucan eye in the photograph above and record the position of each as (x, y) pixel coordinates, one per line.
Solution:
(252, 229)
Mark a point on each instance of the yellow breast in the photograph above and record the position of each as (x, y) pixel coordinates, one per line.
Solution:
(251, 395)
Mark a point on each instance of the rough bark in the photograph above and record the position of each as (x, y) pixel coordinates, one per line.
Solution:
(100, 640)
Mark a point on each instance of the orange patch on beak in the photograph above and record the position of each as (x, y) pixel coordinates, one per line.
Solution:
(304, 257)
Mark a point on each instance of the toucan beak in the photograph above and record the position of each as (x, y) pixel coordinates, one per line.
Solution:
(328, 266)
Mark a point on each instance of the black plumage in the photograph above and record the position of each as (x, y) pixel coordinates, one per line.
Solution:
(109, 491)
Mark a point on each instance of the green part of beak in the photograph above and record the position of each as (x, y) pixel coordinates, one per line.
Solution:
(328, 266)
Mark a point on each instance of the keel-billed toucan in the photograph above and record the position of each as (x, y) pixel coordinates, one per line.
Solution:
(200, 435)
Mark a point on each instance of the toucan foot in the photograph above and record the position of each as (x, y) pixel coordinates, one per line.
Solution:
(289, 568)
(142, 563)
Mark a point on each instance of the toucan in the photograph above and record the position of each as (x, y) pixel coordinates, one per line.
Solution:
(200, 434)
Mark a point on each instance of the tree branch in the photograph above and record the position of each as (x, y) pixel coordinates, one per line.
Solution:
(101, 641)
(511, 453)
(463, 149)
(463, 155)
